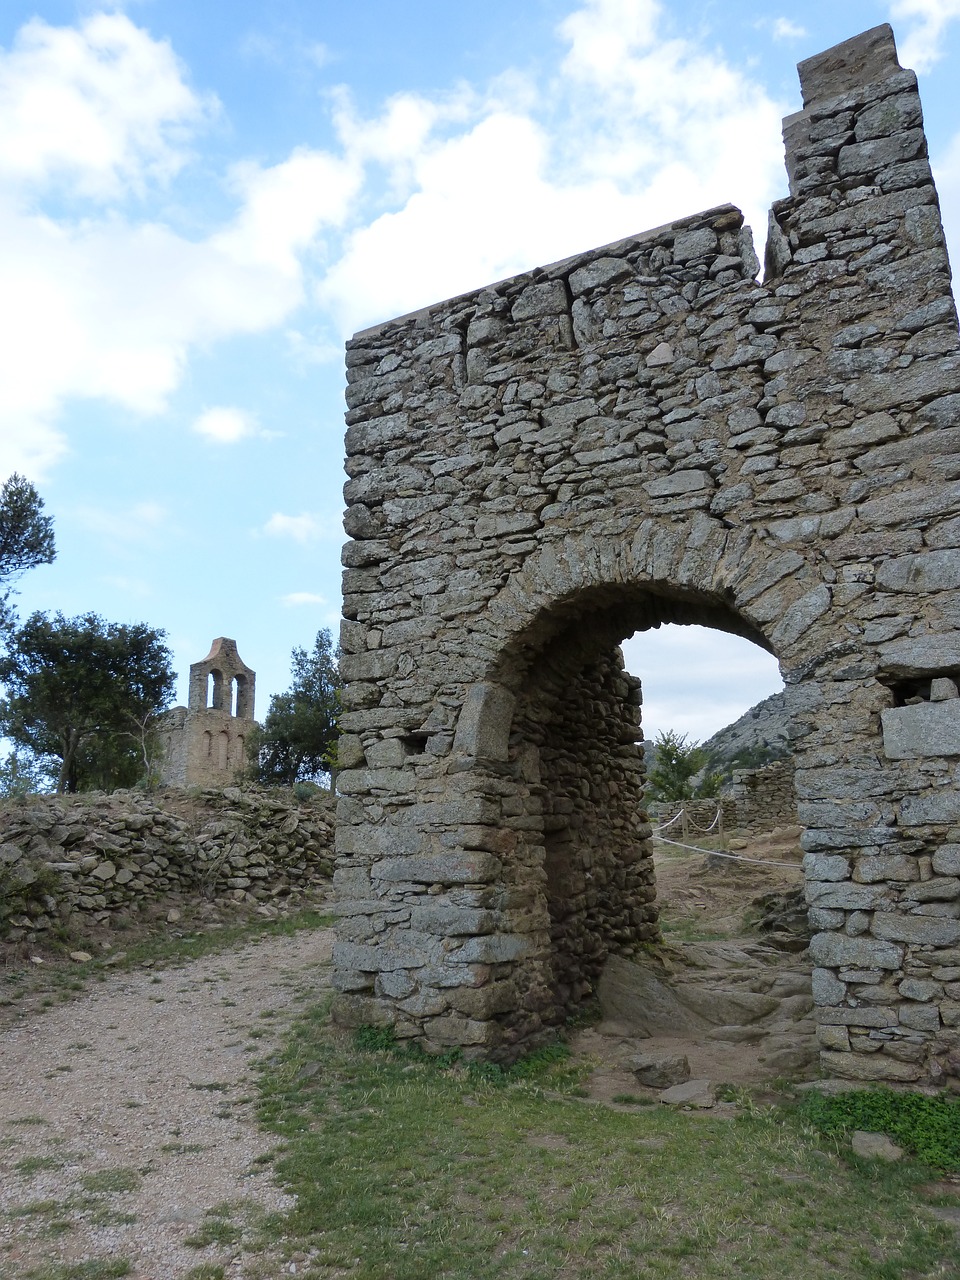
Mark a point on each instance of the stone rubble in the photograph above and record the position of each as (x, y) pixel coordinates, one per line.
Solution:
(95, 859)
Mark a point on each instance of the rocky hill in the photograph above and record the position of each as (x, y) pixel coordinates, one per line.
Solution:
(760, 735)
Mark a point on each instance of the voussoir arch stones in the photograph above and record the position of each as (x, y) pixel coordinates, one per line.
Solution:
(646, 433)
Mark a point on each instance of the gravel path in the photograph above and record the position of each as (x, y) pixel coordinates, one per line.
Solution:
(128, 1113)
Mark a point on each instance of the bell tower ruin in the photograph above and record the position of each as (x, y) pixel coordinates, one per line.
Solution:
(206, 740)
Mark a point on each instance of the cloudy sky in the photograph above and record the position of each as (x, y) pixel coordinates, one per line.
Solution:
(199, 202)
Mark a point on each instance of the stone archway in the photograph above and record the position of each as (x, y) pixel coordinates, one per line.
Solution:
(646, 432)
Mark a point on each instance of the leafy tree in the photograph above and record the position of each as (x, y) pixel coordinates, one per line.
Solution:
(80, 690)
(26, 537)
(677, 765)
(23, 775)
(298, 739)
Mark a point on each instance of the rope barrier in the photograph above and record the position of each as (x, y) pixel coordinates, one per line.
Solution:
(705, 831)
(736, 857)
(676, 818)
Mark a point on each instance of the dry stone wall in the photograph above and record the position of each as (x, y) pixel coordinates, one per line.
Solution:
(640, 434)
(765, 798)
(102, 858)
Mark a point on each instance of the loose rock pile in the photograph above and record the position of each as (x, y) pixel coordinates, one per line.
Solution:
(100, 859)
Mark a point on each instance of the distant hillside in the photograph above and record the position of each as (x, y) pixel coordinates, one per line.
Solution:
(758, 736)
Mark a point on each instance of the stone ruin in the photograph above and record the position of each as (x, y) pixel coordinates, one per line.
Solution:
(647, 433)
(205, 741)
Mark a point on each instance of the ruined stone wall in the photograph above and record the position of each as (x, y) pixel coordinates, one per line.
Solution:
(641, 434)
(765, 798)
(102, 858)
(580, 728)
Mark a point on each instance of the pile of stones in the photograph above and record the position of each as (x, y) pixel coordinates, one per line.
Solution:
(97, 859)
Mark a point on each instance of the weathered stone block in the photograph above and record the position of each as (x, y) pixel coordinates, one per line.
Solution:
(449, 869)
(881, 867)
(826, 866)
(833, 950)
(920, 1017)
(874, 1066)
(922, 930)
(946, 861)
(827, 989)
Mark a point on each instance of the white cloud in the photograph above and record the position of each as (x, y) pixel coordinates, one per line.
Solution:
(122, 526)
(110, 309)
(784, 29)
(946, 172)
(224, 425)
(302, 597)
(102, 106)
(302, 528)
(318, 53)
(107, 306)
(638, 129)
(284, 207)
(923, 45)
(696, 680)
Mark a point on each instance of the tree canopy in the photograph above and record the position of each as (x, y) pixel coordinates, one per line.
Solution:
(677, 765)
(297, 741)
(87, 693)
(26, 537)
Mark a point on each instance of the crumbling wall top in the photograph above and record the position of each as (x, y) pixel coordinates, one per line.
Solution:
(864, 59)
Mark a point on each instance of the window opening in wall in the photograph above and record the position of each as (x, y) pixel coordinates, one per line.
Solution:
(215, 690)
(232, 698)
(223, 750)
(242, 703)
(929, 687)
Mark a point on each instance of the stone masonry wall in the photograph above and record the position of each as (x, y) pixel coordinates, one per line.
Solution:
(641, 434)
(98, 858)
(581, 728)
(765, 798)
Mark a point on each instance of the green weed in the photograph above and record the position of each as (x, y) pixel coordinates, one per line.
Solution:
(928, 1127)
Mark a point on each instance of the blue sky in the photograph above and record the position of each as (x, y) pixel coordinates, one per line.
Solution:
(200, 202)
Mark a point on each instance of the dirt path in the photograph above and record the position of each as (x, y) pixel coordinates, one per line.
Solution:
(127, 1114)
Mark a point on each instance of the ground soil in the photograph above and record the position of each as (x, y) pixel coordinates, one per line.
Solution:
(127, 1110)
(720, 902)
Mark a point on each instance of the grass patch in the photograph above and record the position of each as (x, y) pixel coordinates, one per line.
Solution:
(36, 1208)
(206, 1271)
(407, 1166)
(927, 1127)
(30, 1165)
(111, 1181)
(92, 1269)
(216, 1228)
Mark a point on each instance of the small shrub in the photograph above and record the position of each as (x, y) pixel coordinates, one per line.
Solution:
(374, 1039)
(928, 1127)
